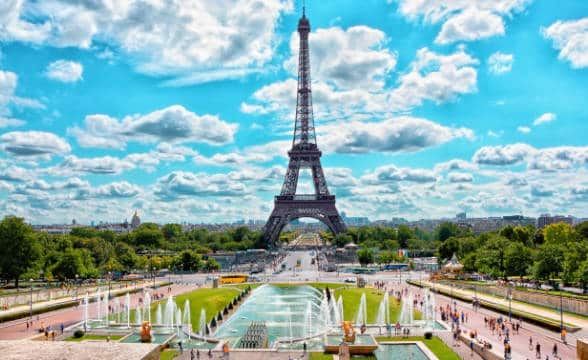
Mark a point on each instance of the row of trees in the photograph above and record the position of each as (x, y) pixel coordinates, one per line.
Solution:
(559, 251)
(89, 253)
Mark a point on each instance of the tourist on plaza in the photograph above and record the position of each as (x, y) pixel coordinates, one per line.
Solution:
(192, 354)
(563, 335)
(61, 328)
(472, 347)
(181, 347)
(28, 325)
(210, 353)
(554, 353)
(538, 351)
(530, 343)
(226, 350)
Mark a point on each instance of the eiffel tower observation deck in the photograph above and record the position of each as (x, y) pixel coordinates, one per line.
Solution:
(304, 154)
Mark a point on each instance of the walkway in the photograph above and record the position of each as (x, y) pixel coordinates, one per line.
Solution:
(549, 314)
(17, 329)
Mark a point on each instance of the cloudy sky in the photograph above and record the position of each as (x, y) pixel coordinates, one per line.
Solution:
(183, 109)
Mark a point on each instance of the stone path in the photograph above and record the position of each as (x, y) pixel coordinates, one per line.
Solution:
(17, 329)
(549, 314)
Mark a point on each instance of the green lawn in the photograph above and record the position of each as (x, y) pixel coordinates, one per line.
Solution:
(352, 297)
(212, 300)
(168, 354)
(94, 337)
(436, 345)
(320, 356)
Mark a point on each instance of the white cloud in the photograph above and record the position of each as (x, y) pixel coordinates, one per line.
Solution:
(351, 58)
(65, 71)
(172, 124)
(571, 39)
(435, 77)
(120, 189)
(105, 165)
(180, 184)
(500, 63)
(463, 20)
(545, 118)
(524, 129)
(33, 144)
(502, 155)
(8, 84)
(456, 177)
(10, 122)
(470, 24)
(173, 37)
(546, 159)
(400, 134)
(391, 173)
(455, 164)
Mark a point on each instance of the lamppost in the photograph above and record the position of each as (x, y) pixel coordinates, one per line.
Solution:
(509, 294)
(77, 286)
(31, 302)
(109, 287)
(561, 325)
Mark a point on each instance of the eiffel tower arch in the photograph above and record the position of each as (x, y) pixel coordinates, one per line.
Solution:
(304, 154)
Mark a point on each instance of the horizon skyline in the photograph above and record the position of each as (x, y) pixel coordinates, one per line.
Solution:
(421, 109)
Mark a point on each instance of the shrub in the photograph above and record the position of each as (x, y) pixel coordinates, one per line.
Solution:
(428, 335)
(78, 334)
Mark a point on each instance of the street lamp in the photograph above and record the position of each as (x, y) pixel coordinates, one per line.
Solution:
(561, 325)
(109, 287)
(31, 303)
(509, 294)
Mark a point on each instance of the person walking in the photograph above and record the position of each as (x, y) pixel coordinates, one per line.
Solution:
(538, 351)
(210, 353)
(192, 354)
(554, 352)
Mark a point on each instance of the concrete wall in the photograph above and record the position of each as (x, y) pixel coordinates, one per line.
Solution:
(582, 349)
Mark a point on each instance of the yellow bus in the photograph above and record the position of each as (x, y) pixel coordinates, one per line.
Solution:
(233, 279)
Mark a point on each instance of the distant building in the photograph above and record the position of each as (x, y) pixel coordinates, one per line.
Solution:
(135, 221)
(546, 219)
(461, 216)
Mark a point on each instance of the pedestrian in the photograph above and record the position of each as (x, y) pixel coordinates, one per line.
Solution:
(554, 349)
(61, 328)
(28, 325)
(472, 347)
(197, 354)
(226, 350)
(210, 353)
(181, 347)
(192, 354)
(563, 335)
(530, 343)
(538, 351)
(304, 347)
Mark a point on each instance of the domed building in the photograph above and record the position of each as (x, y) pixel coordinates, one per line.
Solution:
(135, 221)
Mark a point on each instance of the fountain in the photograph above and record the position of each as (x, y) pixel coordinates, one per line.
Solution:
(187, 317)
(138, 315)
(407, 311)
(428, 308)
(308, 319)
(384, 311)
(86, 304)
(98, 305)
(128, 309)
(105, 310)
(158, 315)
(361, 317)
(340, 307)
(168, 314)
(202, 323)
(148, 307)
(179, 322)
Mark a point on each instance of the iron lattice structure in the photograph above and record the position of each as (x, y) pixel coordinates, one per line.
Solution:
(304, 154)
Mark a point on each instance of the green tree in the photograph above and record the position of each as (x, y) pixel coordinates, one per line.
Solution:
(343, 239)
(365, 256)
(558, 233)
(582, 230)
(404, 234)
(19, 248)
(171, 231)
(70, 265)
(126, 256)
(548, 262)
(446, 230)
(211, 265)
(582, 275)
(386, 257)
(491, 257)
(189, 261)
(517, 259)
(448, 248)
(148, 235)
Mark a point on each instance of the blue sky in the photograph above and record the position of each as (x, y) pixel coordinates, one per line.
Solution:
(183, 110)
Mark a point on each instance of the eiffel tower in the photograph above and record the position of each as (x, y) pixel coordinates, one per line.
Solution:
(304, 154)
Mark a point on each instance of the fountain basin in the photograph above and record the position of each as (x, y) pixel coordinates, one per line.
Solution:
(364, 344)
(401, 351)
